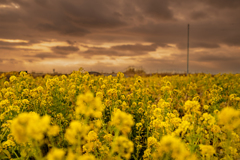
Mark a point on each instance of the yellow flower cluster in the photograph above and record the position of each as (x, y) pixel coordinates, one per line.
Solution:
(77, 133)
(191, 107)
(169, 146)
(122, 121)
(55, 154)
(89, 106)
(82, 116)
(229, 118)
(29, 126)
(207, 150)
(123, 147)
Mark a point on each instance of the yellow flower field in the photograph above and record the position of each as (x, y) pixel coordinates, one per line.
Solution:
(86, 117)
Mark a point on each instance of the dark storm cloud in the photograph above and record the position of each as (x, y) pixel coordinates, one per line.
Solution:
(4, 2)
(62, 29)
(93, 14)
(45, 55)
(136, 47)
(199, 62)
(14, 61)
(213, 24)
(198, 45)
(164, 64)
(13, 44)
(79, 18)
(71, 42)
(232, 4)
(233, 40)
(72, 17)
(42, 3)
(11, 48)
(96, 51)
(157, 9)
(137, 18)
(64, 50)
(214, 57)
(8, 48)
(31, 60)
(11, 60)
(206, 58)
(198, 15)
(120, 50)
(107, 52)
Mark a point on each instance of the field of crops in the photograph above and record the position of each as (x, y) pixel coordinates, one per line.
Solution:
(86, 117)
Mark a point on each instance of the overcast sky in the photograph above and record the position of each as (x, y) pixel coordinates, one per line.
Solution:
(110, 35)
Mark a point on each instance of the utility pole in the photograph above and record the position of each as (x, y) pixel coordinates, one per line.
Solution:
(188, 51)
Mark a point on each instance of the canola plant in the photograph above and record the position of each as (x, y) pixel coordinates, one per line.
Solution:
(86, 117)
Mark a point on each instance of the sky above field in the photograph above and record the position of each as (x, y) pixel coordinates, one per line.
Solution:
(111, 35)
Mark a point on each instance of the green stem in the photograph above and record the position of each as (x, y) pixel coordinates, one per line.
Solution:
(15, 153)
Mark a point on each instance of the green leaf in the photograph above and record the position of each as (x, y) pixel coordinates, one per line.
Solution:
(7, 153)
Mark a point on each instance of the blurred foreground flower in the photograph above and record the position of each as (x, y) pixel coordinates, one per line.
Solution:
(229, 118)
(29, 126)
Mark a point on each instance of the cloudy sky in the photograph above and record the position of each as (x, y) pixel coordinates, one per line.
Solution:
(110, 35)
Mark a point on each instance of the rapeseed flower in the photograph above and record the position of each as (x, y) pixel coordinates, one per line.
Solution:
(207, 150)
(108, 137)
(7, 144)
(157, 112)
(147, 154)
(192, 106)
(86, 157)
(89, 106)
(208, 119)
(56, 154)
(229, 118)
(77, 133)
(112, 93)
(163, 104)
(6, 84)
(151, 141)
(92, 136)
(174, 147)
(99, 94)
(123, 146)
(139, 126)
(216, 129)
(183, 128)
(13, 78)
(157, 124)
(71, 155)
(53, 130)
(122, 121)
(25, 101)
(104, 150)
(29, 125)
(205, 107)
